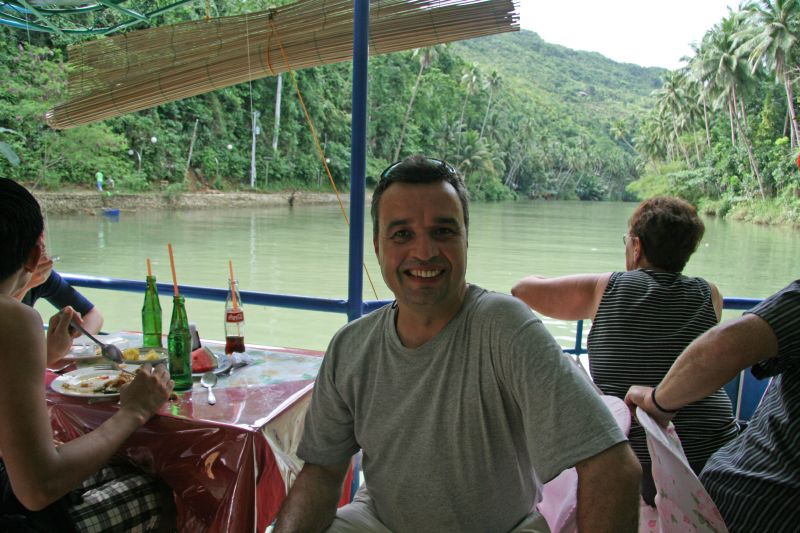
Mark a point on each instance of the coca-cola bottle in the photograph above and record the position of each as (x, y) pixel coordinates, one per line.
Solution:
(234, 320)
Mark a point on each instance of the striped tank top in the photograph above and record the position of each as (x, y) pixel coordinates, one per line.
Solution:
(644, 321)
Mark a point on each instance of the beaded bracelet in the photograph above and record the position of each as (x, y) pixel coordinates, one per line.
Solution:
(653, 397)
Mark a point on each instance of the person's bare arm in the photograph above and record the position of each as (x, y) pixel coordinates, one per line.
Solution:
(40, 472)
(93, 321)
(708, 363)
(310, 505)
(566, 298)
(608, 491)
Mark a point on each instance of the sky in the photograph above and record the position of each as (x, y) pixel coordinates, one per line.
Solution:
(650, 33)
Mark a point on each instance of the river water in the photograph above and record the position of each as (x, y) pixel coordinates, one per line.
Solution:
(303, 250)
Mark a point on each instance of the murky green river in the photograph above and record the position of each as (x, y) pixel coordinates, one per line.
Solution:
(303, 251)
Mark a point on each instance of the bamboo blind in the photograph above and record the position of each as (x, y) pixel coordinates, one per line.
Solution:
(143, 69)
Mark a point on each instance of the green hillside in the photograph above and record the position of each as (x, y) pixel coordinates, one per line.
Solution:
(518, 117)
(580, 82)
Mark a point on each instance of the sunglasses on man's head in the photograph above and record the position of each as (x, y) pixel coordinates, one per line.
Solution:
(443, 164)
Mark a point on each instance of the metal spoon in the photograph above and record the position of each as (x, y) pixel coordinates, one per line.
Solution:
(208, 380)
(109, 351)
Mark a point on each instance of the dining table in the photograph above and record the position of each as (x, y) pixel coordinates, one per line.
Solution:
(230, 464)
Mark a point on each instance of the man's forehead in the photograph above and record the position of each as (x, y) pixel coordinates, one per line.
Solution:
(436, 200)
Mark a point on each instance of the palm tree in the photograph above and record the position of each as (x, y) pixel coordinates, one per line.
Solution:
(671, 101)
(771, 41)
(724, 68)
(472, 156)
(491, 83)
(426, 57)
(695, 73)
(619, 132)
(469, 80)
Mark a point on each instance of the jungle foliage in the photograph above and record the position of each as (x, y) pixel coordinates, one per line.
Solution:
(723, 130)
(518, 117)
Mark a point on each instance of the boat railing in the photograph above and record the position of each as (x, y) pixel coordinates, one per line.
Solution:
(745, 391)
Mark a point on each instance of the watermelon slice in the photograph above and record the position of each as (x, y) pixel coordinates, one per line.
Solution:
(203, 360)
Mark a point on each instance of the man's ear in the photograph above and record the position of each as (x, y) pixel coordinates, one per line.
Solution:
(375, 244)
(33, 258)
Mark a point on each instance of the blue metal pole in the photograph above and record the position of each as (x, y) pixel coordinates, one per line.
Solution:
(358, 159)
(579, 338)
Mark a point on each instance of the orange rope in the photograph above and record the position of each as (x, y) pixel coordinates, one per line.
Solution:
(316, 142)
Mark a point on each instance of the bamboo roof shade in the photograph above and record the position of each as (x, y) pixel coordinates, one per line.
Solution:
(143, 69)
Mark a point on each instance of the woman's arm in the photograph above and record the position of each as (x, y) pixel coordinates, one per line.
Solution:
(572, 297)
(40, 472)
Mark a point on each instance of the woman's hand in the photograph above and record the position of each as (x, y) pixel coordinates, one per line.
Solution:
(148, 391)
(60, 334)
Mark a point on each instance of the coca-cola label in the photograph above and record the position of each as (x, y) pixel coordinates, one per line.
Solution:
(234, 316)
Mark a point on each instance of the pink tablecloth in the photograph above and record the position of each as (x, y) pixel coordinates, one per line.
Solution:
(218, 459)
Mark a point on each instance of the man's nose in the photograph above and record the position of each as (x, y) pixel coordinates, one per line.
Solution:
(425, 247)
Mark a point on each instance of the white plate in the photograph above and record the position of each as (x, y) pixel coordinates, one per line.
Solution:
(83, 349)
(82, 353)
(84, 382)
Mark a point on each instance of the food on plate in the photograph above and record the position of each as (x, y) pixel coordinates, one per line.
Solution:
(134, 354)
(203, 360)
(100, 384)
(114, 385)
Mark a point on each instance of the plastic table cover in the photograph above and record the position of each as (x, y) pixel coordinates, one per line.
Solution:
(230, 464)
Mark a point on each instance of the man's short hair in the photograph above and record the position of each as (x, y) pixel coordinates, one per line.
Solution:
(418, 169)
(669, 230)
(21, 225)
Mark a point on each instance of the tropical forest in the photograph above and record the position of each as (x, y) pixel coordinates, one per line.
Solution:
(519, 117)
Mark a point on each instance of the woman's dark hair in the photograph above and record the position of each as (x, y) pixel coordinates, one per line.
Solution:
(419, 169)
(669, 230)
(21, 225)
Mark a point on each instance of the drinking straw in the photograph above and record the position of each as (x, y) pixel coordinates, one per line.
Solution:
(172, 266)
(233, 290)
(149, 270)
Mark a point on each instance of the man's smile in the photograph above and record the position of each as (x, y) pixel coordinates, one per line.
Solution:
(424, 273)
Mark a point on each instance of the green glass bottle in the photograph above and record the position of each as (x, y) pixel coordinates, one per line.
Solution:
(151, 316)
(179, 344)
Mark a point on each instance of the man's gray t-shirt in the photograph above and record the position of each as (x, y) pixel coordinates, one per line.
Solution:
(458, 434)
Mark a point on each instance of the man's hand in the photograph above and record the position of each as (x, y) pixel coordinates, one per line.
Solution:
(60, 335)
(638, 396)
(38, 276)
(148, 391)
(42, 272)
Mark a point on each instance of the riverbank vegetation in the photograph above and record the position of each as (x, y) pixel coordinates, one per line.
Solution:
(519, 117)
(723, 130)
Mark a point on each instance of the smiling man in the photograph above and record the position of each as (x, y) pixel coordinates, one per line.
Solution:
(462, 403)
